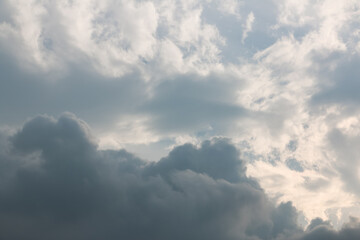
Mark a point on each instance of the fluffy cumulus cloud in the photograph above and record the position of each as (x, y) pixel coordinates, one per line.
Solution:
(278, 78)
(56, 184)
(114, 37)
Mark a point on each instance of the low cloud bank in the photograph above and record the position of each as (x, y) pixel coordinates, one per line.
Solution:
(56, 184)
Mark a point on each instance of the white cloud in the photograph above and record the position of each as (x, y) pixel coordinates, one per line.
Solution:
(231, 7)
(115, 37)
(24, 36)
(248, 26)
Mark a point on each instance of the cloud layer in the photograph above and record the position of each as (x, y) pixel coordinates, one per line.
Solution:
(279, 78)
(56, 184)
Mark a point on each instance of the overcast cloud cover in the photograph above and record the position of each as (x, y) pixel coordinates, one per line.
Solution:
(56, 184)
(209, 119)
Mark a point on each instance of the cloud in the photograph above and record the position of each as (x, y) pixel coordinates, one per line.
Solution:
(193, 103)
(338, 85)
(80, 90)
(248, 26)
(315, 184)
(60, 186)
(347, 158)
(151, 75)
(320, 229)
(113, 37)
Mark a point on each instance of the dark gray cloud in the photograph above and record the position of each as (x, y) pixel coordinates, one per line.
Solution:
(204, 161)
(316, 223)
(59, 186)
(319, 229)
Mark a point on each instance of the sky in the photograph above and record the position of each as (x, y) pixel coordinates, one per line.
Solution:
(178, 119)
